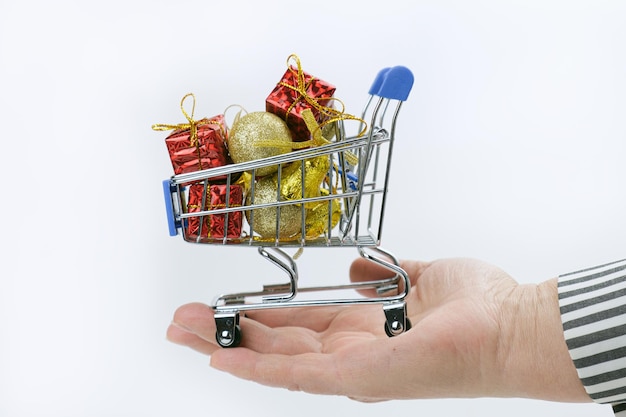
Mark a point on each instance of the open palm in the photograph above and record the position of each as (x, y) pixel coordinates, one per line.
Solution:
(454, 308)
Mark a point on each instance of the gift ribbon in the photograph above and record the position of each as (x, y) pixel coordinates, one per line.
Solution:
(216, 206)
(237, 116)
(301, 87)
(192, 124)
(316, 138)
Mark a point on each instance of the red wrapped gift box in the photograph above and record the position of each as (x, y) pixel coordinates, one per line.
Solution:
(209, 151)
(296, 91)
(213, 225)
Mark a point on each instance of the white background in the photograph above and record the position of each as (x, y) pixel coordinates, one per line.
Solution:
(510, 149)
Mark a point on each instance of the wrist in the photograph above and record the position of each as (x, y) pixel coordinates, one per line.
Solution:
(532, 350)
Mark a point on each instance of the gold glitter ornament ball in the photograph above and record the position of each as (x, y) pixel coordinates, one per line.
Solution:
(259, 135)
(263, 220)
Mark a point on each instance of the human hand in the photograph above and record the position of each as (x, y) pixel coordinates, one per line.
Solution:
(476, 333)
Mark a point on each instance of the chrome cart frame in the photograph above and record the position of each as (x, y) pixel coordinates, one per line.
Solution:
(352, 200)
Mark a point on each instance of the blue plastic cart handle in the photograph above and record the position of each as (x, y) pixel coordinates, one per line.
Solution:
(393, 83)
(171, 222)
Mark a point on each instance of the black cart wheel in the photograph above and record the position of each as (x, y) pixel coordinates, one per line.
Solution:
(228, 340)
(399, 331)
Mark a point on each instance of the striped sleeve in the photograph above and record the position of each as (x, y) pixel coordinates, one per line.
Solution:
(593, 313)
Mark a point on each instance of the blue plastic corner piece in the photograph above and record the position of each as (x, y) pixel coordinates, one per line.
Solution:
(171, 222)
(393, 83)
(378, 81)
(353, 181)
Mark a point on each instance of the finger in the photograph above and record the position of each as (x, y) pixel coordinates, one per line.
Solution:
(183, 337)
(414, 269)
(198, 319)
(276, 370)
(362, 373)
(316, 319)
(362, 270)
(283, 340)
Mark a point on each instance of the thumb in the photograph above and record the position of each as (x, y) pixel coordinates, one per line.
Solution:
(362, 270)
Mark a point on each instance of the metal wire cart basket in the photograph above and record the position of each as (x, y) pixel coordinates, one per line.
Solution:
(346, 210)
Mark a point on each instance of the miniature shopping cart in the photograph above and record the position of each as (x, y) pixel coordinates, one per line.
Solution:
(352, 201)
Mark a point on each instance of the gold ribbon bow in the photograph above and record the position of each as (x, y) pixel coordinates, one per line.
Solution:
(317, 138)
(192, 125)
(300, 88)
